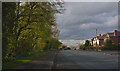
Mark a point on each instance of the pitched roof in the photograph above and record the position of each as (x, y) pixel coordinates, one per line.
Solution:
(111, 34)
(103, 36)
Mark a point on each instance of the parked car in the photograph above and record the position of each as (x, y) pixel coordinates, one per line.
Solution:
(67, 48)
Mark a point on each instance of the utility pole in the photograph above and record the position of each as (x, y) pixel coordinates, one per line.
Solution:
(96, 38)
(96, 32)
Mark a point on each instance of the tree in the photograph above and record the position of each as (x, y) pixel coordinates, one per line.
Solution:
(108, 44)
(26, 28)
(87, 43)
(8, 18)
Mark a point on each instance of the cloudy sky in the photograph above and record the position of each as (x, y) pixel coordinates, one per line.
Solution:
(80, 19)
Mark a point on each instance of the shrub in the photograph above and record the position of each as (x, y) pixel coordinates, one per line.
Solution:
(108, 44)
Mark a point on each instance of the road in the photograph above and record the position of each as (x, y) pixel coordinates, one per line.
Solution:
(72, 59)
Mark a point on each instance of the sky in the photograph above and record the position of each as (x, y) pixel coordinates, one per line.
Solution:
(80, 19)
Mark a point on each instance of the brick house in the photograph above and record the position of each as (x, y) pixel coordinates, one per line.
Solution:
(99, 40)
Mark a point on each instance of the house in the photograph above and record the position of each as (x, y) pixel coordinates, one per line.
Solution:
(99, 40)
(115, 36)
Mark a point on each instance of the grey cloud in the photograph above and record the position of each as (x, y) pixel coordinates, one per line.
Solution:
(81, 19)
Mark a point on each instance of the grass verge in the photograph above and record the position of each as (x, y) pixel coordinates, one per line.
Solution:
(22, 60)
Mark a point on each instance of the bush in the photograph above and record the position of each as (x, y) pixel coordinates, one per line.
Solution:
(90, 47)
(109, 45)
(82, 47)
(119, 46)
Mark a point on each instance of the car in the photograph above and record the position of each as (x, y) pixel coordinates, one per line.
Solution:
(75, 49)
(67, 48)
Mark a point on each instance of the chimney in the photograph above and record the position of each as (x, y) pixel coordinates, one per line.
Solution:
(115, 32)
(99, 35)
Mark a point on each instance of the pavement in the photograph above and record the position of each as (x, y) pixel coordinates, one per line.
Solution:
(72, 59)
(108, 52)
(44, 62)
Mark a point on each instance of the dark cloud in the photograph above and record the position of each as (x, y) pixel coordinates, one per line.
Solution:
(82, 18)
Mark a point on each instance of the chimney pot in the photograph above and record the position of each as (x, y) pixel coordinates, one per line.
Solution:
(99, 34)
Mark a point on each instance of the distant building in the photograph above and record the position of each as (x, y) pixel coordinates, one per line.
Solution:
(72, 42)
(99, 40)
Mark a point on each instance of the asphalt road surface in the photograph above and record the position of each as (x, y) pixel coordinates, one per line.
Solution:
(72, 59)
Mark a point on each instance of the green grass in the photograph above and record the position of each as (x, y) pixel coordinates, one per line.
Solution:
(22, 60)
